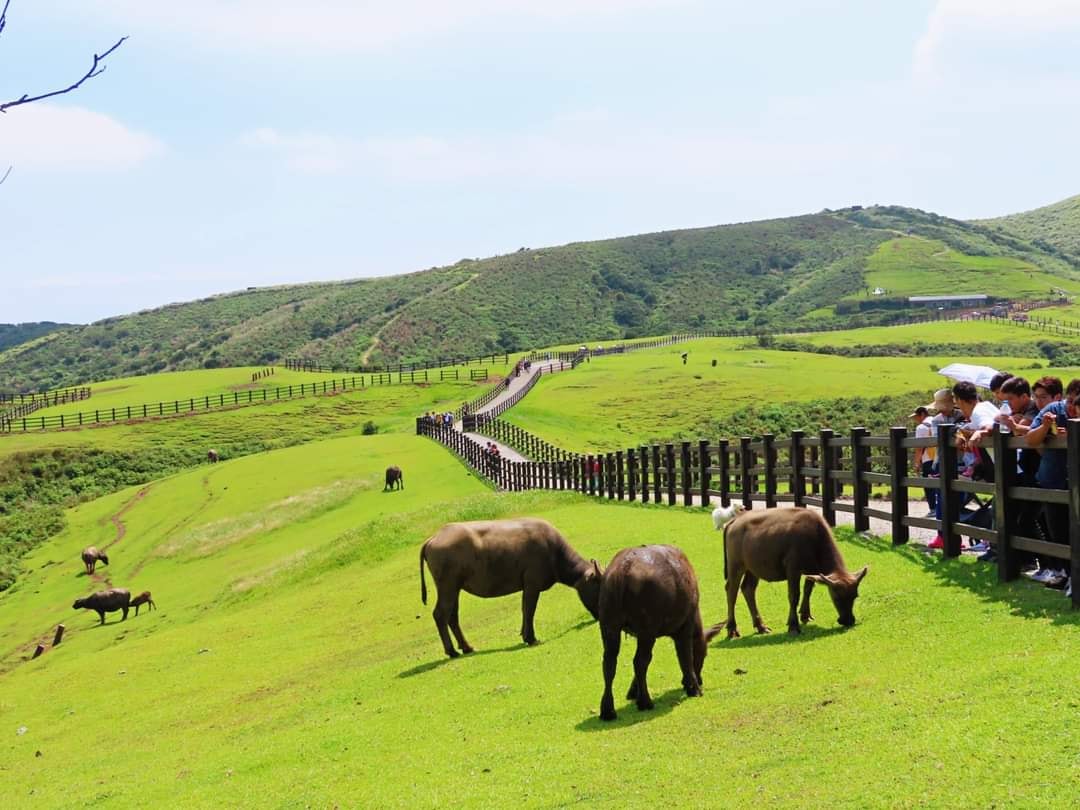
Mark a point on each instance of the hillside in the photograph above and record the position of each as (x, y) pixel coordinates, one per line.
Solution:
(1054, 228)
(12, 334)
(756, 275)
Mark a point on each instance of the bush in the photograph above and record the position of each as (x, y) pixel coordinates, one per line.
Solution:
(369, 428)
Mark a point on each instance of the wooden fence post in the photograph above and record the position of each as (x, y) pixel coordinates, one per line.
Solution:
(590, 477)
(645, 474)
(37, 652)
(657, 476)
(631, 473)
(619, 473)
(860, 458)
(826, 466)
(59, 635)
(769, 452)
(703, 470)
(798, 479)
(898, 470)
(724, 471)
(744, 471)
(669, 467)
(950, 502)
(687, 475)
(609, 469)
(1004, 512)
(1072, 432)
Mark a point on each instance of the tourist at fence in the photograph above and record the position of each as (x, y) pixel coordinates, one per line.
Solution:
(924, 456)
(1053, 472)
(1000, 400)
(946, 414)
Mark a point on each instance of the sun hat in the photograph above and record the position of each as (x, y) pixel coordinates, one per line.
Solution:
(922, 410)
(943, 401)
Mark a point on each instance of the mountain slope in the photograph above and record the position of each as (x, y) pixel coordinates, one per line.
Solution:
(12, 334)
(749, 275)
(1054, 228)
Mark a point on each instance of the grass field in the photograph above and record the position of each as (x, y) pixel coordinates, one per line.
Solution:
(290, 663)
(625, 400)
(916, 266)
(929, 332)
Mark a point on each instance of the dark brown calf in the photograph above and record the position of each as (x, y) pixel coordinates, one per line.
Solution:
(90, 557)
(212, 456)
(106, 602)
(784, 544)
(650, 591)
(395, 479)
(142, 599)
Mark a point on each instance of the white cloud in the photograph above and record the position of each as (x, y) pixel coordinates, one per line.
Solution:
(50, 136)
(345, 25)
(950, 18)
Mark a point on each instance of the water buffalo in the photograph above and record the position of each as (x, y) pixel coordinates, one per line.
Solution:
(497, 558)
(777, 544)
(650, 591)
(395, 479)
(212, 456)
(90, 557)
(142, 599)
(106, 602)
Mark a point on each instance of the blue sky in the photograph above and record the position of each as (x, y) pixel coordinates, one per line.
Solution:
(236, 143)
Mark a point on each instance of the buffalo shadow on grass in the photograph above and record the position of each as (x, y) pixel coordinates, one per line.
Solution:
(1029, 600)
(420, 669)
(810, 632)
(630, 715)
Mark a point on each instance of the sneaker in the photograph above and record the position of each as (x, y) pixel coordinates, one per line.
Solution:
(1042, 575)
(1068, 589)
(987, 556)
(979, 547)
(937, 543)
(1057, 582)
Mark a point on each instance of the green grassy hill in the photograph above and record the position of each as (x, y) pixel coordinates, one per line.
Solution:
(12, 334)
(1053, 228)
(757, 275)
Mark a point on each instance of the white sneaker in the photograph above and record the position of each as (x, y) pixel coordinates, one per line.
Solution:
(1068, 589)
(1042, 575)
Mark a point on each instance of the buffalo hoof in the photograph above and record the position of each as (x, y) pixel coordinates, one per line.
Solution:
(806, 618)
(645, 704)
(733, 633)
(607, 709)
(692, 690)
(762, 629)
(452, 653)
(793, 629)
(467, 649)
(532, 642)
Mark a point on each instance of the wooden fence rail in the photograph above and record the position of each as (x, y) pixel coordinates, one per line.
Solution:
(805, 470)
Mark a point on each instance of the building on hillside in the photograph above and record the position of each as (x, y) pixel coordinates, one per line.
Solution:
(949, 301)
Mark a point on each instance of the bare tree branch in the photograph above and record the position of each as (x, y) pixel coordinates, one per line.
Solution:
(2, 179)
(95, 70)
(3, 15)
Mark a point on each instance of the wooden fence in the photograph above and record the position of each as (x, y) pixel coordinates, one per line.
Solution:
(468, 411)
(17, 406)
(805, 470)
(302, 364)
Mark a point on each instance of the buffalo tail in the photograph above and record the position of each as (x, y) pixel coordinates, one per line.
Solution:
(423, 584)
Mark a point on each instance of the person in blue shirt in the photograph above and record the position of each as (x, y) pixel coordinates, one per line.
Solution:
(1052, 420)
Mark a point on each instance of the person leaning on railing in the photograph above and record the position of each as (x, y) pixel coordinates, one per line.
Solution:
(1051, 420)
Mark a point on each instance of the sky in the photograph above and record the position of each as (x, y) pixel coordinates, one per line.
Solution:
(237, 143)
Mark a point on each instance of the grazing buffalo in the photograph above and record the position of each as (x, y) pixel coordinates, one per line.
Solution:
(395, 479)
(497, 558)
(106, 602)
(650, 591)
(212, 456)
(778, 544)
(142, 599)
(90, 557)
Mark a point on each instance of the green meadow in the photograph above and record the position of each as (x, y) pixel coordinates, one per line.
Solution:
(291, 663)
(917, 266)
(650, 395)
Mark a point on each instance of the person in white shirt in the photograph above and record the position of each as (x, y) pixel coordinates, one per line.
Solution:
(924, 456)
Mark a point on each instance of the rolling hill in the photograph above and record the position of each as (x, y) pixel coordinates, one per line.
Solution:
(1053, 228)
(12, 334)
(758, 275)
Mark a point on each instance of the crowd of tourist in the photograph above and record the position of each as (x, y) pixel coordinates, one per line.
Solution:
(1036, 411)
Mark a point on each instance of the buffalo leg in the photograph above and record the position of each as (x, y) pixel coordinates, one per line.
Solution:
(125, 613)
(684, 649)
(455, 628)
(793, 603)
(639, 688)
(441, 614)
(804, 608)
(612, 639)
(529, 598)
(735, 575)
(101, 614)
(749, 592)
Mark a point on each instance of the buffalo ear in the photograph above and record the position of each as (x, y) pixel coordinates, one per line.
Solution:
(862, 573)
(820, 579)
(596, 568)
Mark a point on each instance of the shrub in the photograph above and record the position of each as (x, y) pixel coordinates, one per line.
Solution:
(369, 428)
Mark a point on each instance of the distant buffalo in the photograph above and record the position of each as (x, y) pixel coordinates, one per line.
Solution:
(785, 544)
(395, 479)
(142, 599)
(650, 591)
(498, 558)
(212, 456)
(106, 602)
(90, 557)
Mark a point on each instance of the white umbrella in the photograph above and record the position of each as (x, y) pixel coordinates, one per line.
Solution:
(966, 372)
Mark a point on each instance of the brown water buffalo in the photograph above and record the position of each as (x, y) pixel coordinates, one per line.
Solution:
(784, 544)
(650, 591)
(90, 557)
(212, 456)
(497, 558)
(395, 479)
(142, 599)
(106, 602)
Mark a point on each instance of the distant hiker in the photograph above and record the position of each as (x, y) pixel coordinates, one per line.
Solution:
(683, 356)
(212, 456)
